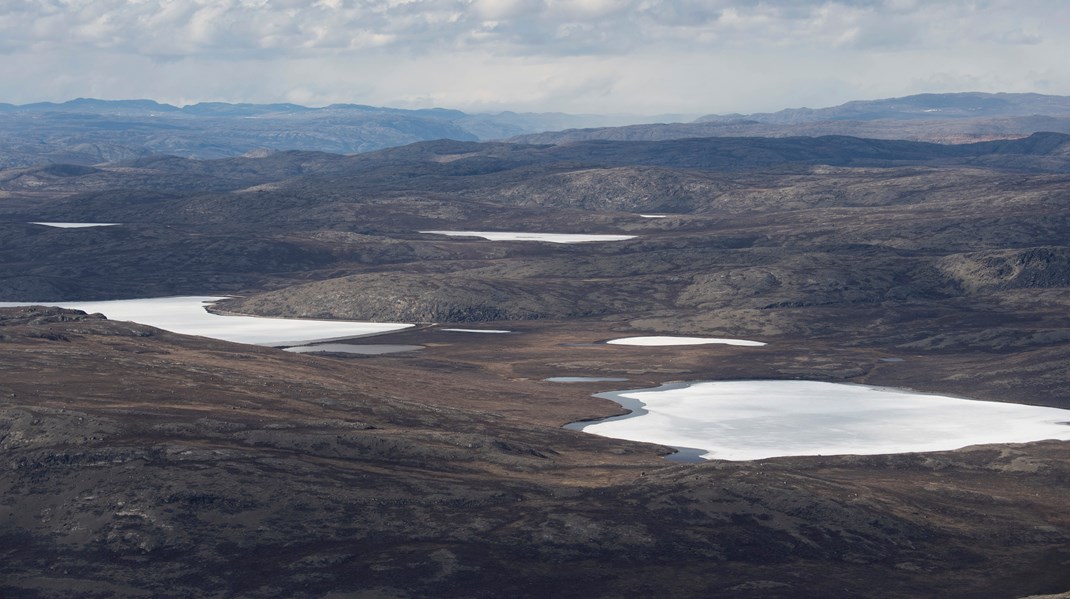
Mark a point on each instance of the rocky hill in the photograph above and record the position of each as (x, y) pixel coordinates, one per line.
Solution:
(141, 462)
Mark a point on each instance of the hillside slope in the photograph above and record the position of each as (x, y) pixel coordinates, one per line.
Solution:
(147, 463)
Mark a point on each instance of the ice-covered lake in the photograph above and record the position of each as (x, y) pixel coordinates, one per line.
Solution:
(748, 420)
(74, 225)
(186, 315)
(547, 237)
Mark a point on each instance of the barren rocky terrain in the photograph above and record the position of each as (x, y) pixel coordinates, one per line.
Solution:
(140, 462)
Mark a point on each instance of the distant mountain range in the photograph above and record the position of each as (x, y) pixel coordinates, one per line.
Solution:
(89, 131)
(969, 105)
(943, 118)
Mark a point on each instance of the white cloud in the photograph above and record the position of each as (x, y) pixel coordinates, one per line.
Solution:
(602, 55)
(535, 27)
(498, 10)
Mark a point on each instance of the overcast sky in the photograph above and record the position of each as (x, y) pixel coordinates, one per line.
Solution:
(579, 56)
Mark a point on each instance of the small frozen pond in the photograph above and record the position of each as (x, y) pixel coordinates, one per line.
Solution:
(345, 348)
(585, 379)
(489, 331)
(75, 225)
(547, 237)
(665, 340)
(186, 315)
(749, 420)
(653, 215)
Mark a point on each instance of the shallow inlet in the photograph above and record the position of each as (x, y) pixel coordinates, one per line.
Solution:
(187, 315)
(749, 420)
(546, 237)
(346, 348)
(585, 379)
(668, 340)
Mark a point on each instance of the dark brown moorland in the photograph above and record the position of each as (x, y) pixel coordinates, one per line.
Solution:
(140, 462)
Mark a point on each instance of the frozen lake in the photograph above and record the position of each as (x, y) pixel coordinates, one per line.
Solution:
(547, 237)
(749, 420)
(186, 315)
(75, 225)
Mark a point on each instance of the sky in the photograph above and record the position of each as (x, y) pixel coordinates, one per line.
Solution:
(577, 56)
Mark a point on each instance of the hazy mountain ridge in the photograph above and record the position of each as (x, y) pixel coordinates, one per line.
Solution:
(927, 106)
(90, 131)
(943, 118)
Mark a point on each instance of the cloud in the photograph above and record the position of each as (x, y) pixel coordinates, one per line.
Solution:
(578, 55)
(529, 27)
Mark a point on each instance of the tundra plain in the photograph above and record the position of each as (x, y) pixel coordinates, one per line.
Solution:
(141, 462)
